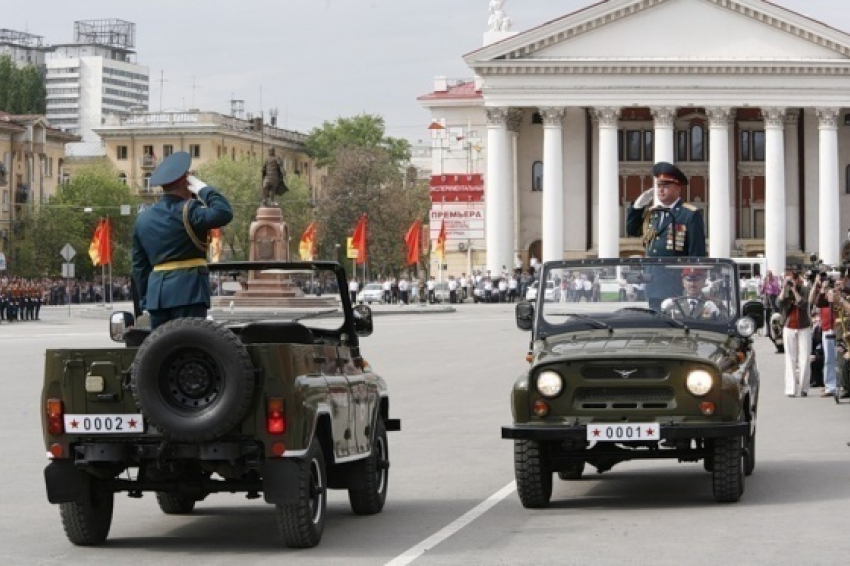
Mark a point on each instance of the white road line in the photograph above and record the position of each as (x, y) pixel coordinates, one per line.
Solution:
(413, 553)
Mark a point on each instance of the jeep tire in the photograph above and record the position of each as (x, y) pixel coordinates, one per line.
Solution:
(370, 499)
(728, 473)
(174, 503)
(193, 380)
(87, 523)
(533, 479)
(302, 523)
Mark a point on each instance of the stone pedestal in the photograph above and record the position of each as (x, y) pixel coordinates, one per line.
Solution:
(269, 236)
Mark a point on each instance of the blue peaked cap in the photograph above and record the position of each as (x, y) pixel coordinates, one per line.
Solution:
(172, 168)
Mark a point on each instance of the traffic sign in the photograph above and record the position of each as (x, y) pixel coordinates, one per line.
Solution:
(2, 261)
(68, 252)
(68, 270)
(351, 251)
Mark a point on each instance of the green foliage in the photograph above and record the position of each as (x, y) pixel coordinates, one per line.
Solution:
(240, 181)
(48, 227)
(366, 180)
(362, 131)
(21, 90)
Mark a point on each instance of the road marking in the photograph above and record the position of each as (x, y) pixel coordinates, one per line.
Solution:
(413, 553)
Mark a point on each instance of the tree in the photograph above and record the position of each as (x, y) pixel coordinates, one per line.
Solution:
(365, 131)
(240, 180)
(366, 180)
(45, 229)
(21, 90)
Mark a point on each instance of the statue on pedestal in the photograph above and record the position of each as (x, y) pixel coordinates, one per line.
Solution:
(273, 179)
(499, 21)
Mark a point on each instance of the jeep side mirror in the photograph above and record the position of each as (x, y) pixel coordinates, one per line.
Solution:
(363, 320)
(754, 310)
(525, 315)
(119, 322)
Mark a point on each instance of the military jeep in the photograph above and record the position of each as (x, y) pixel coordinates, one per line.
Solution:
(268, 396)
(661, 366)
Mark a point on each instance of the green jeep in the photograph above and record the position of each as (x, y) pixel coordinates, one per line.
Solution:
(662, 365)
(272, 398)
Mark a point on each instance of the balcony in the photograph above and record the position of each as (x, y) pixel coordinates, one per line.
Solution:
(148, 162)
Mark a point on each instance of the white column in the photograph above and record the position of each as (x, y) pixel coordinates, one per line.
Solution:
(829, 231)
(792, 181)
(774, 167)
(665, 119)
(609, 228)
(497, 198)
(553, 184)
(718, 174)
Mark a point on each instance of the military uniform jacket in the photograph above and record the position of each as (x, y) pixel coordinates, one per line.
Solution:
(679, 232)
(159, 236)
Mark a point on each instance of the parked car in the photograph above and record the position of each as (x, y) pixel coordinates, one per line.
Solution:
(550, 294)
(614, 380)
(371, 293)
(277, 403)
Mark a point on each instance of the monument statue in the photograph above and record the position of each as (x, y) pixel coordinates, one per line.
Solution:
(499, 21)
(273, 179)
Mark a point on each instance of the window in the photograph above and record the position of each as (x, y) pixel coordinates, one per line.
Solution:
(123, 178)
(649, 146)
(167, 150)
(147, 151)
(681, 146)
(537, 176)
(195, 150)
(147, 185)
(634, 145)
(697, 143)
(752, 145)
(121, 152)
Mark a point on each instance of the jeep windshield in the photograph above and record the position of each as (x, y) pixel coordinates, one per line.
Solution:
(612, 294)
(312, 293)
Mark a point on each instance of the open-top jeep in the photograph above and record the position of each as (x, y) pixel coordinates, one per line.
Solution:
(661, 366)
(272, 400)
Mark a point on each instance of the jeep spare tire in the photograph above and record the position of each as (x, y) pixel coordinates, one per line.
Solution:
(192, 379)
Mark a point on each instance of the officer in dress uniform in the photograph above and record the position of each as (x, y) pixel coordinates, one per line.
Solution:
(674, 228)
(170, 243)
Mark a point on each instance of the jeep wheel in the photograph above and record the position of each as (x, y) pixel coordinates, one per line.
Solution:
(728, 472)
(574, 472)
(750, 455)
(370, 500)
(301, 524)
(88, 523)
(193, 380)
(174, 503)
(533, 480)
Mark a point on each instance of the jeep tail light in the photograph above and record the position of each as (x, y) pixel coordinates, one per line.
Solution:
(275, 418)
(55, 417)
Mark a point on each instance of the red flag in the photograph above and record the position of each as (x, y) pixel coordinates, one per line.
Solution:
(308, 242)
(413, 243)
(441, 241)
(100, 249)
(358, 240)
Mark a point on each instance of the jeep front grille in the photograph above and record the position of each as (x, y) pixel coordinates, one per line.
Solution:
(623, 370)
(617, 398)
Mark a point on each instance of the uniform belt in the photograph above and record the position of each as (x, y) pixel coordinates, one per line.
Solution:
(180, 264)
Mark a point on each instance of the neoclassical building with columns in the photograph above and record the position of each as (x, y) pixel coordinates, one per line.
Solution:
(746, 97)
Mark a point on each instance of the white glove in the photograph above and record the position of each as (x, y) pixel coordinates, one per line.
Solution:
(645, 198)
(195, 184)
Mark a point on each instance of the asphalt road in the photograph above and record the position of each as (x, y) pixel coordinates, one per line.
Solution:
(451, 498)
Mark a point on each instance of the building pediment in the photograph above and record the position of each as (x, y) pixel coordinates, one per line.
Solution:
(697, 32)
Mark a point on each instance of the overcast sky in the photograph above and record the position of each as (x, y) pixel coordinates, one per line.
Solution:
(314, 60)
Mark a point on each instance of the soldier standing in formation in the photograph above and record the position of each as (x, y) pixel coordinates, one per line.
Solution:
(674, 228)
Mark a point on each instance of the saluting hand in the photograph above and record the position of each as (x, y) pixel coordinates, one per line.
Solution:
(194, 184)
(645, 199)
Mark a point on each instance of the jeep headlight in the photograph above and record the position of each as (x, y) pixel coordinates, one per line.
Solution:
(745, 326)
(549, 384)
(699, 382)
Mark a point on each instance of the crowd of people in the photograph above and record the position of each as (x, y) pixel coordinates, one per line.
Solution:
(21, 298)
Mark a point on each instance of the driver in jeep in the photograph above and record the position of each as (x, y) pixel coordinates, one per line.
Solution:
(694, 304)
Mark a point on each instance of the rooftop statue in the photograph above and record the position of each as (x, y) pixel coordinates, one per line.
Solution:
(499, 21)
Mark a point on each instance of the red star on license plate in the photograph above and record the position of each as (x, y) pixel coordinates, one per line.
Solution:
(597, 432)
(132, 423)
(74, 424)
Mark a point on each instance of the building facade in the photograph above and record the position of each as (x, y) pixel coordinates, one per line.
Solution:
(137, 143)
(32, 155)
(746, 97)
(23, 48)
(95, 77)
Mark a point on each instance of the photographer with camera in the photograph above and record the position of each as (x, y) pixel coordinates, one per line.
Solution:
(793, 303)
(822, 296)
